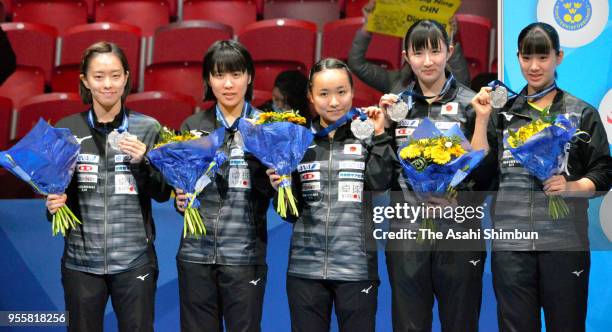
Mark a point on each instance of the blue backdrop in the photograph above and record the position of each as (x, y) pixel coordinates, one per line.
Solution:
(30, 274)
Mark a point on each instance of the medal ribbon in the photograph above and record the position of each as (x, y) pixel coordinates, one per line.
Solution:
(494, 84)
(123, 127)
(245, 110)
(350, 115)
(445, 88)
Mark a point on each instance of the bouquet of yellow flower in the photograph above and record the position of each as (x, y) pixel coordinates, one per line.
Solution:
(540, 147)
(436, 162)
(279, 141)
(188, 162)
(272, 117)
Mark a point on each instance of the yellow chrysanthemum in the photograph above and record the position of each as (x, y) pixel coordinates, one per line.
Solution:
(457, 150)
(410, 152)
(440, 155)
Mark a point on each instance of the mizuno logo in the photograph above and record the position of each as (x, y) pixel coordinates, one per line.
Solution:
(366, 290)
(577, 273)
(474, 262)
(254, 282)
(143, 277)
(80, 140)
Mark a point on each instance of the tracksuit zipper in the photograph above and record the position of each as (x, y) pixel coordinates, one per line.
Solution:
(329, 180)
(105, 200)
(216, 226)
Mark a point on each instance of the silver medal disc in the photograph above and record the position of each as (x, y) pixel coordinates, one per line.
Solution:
(362, 129)
(499, 97)
(398, 111)
(114, 137)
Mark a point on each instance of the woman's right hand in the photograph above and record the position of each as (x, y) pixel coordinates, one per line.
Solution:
(54, 202)
(387, 100)
(181, 200)
(482, 102)
(275, 179)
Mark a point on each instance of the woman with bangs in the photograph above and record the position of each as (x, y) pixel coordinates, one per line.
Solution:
(222, 276)
(447, 269)
(552, 271)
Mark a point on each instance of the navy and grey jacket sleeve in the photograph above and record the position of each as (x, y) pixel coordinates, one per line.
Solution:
(149, 178)
(372, 74)
(458, 65)
(595, 155)
(382, 164)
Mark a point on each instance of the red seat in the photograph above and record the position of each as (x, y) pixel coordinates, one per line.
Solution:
(235, 13)
(5, 9)
(169, 108)
(78, 38)
(338, 38)
(185, 78)
(475, 37)
(364, 95)
(352, 8)
(261, 97)
(187, 40)
(148, 15)
(317, 11)
(23, 83)
(273, 45)
(51, 107)
(60, 14)
(23, 35)
(6, 110)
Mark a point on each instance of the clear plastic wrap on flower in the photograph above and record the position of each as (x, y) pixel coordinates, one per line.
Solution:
(541, 150)
(438, 177)
(189, 165)
(435, 162)
(46, 158)
(281, 146)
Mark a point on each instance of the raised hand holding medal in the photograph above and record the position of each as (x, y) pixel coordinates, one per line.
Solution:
(362, 127)
(130, 145)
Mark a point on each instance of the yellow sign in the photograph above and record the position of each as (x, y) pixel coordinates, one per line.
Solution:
(394, 17)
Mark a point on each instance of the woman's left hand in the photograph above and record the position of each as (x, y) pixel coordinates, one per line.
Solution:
(134, 148)
(378, 117)
(555, 185)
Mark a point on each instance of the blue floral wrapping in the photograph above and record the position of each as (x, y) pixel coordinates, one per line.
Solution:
(185, 165)
(437, 179)
(45, 158)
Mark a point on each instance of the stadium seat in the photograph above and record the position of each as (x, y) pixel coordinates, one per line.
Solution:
(6, 110)
(169, 108)
(23, 83)
(338, 39)
(24, 35)
(51, 107)
(243, 12)
(352, 8)
(260, 97)
(78, 38)
(187, 40)
(184, 78)
(317, 11)
(272, 43)
(60, 14)
(475, 38)
(148, 15)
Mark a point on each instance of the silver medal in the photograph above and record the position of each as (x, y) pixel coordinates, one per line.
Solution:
(398, 111)
(115, 137)
(362, 129)
(499, 97)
